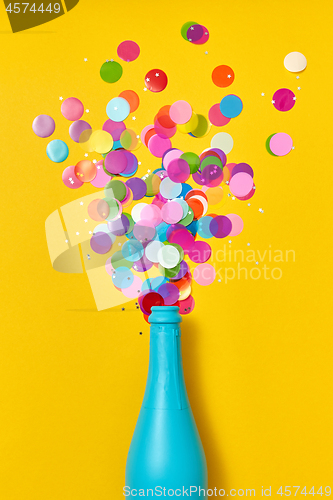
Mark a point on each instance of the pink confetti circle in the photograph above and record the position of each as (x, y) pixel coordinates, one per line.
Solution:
(204, 274)
(151, 213)
(72, 109)
(171, 155)
(178, 170)
(180, 112)
(172, 212)
(128, 50)
(101, 178)
(241, 184)
(133, 291)
(215, 116)
(237, 224)
(70, 179)
(284, 99)
(157, 145)
(200, 252)
(281, 144)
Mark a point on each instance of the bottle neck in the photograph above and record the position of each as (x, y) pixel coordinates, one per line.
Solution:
(165, 388)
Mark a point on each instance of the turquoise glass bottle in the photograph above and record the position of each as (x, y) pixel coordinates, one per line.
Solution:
(166, 450)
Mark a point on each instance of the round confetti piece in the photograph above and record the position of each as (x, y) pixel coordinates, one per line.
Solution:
(142, 265)
(152, 213)
(136, 211)
(192, 160)
(132, 250)
(70, 179)
(180, 112)
(111, 71)
(152, 250)
(114, 128)
(133, 291)
(132, 164)
(115, 162)
(183, 204)
(295, 62)
(184, 268)
(101, 243)
(237, 224)
(203, 227)
(223, 141)
(169, 292)
(144, 230)
(186, 306)
(115, 189)
(284, 100)
(170, 189)
(215, 116)
(204, 38)
(158, 145)
(223, 76)
(231, 106)
(241, 184)
(168, 257)
(178, 170)
(156, 80)
(119, 226)
(138, 187)
(153, 184)
(202, 128)
(128, 50)
(43, 126)
(221, 154)
(57, 151)
(194, 33)
(214, 195)
(189, 126)
(200, 252)
(122, 277)
(220, 226)
(281, 144)
(132, 98)
(72, 109)
(172, 212)
(129, 140)
(170, 155)
(183, 238)
(98, 210)
(151, 299)
(115, 209)
(76, 129)
(118, 109)
(101, 178)
(101, 141)
(204, 274)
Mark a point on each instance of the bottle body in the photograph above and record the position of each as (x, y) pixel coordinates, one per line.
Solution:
(166, 450)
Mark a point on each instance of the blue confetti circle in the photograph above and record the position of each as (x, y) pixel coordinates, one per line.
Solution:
(118, 109)
(132, 250)
(231, 106)
(122, 277)
(57, 151)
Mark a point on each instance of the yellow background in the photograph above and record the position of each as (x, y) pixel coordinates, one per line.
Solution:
(257, 353)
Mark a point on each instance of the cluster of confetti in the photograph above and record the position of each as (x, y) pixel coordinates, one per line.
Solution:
(165, 218)
(195, 33)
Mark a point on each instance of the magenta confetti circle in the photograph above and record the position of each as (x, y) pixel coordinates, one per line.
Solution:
(284, 99)
(200, 252)
(169, 292)
(220, 226)
(215, 116)
(128, 50)
(114, 128)
(158, 145)
(178, 170)
(115, 162)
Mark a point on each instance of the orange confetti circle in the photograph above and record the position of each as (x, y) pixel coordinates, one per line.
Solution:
(223, 76)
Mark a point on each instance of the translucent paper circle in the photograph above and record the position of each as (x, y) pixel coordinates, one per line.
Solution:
(70, 179)
(156, 80)
(170, 189)
(223, 76)
(57, 151)
(101, 141)
(43, 125)
(72, 109)
(180, 112)
(178, 170)
(122, 277)
(128, 50)
(76, 129)
(220, 226)
(132, 98)
(231, 106)
(85, 170)
(168, 256)
(132, 250)
(152, 250)
(138, 187)
(223, 141)
(241, 184)
(111, 71)
(284, 100)
(281, 144)
(101, 243)
(114, 128)
(215, 116)
(237, 224)
(133, 291)
(115, 162)
(204, 274)
(151, 213)
(158, 145)
(295, 62)
(172, 212)
(200, 252)
(118, 109)
(169, 292)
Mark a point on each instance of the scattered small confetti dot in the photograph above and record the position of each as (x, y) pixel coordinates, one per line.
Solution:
(81, 202)
(248, 244)
(262, 93)
(87, 110)
(77, 233)
(60, 98)
(85, 154)
(298, 88)
(249, 204)
(66, 241)
(140, 333)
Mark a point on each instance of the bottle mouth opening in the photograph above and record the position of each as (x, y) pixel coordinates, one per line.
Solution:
(163, 308)
(165, 314)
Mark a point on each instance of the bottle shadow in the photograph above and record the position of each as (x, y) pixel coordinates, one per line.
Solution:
(198, 399)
